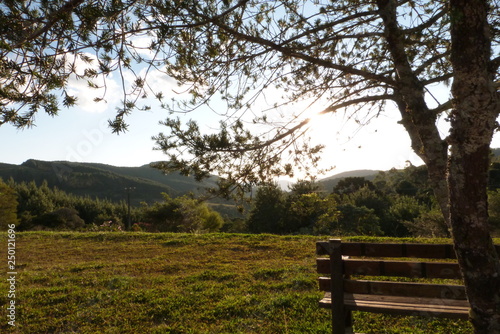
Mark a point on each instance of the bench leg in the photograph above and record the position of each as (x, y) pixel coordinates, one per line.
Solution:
(337, 288)
(338, 322)
(348, 322)
(341, 322)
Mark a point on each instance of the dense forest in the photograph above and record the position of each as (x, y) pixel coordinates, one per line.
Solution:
(394, 203)
(39, 207)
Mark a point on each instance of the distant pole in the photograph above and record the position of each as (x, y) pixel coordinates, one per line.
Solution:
(129, 222)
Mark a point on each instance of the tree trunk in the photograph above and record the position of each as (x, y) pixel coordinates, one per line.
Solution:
(418, 120)
(475, 109)
(463, 195)
(431, 149)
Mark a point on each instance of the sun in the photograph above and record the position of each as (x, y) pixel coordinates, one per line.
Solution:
(322, 128)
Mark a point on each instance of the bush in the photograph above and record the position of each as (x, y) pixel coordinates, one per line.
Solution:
(60, 219)
(107, 226)
(181, 214)
(430, 225)
(8, 206)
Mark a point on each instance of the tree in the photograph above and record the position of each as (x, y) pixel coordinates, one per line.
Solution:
(357, 220)
(352, 184)
(360, 55)
(304, 206)
(412, 216)
(430, 224)
(303, 187)
(310, 213)
(60, 219)
(181, 214)
(8, 206)
(406, 208)
(266, 215)
(33, 201)
(370, 198)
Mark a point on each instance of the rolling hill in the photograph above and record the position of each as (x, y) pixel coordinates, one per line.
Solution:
(330, 182)
(103, 181)
(110, 182)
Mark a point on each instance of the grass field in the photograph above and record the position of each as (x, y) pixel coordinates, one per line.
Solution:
(176, 283)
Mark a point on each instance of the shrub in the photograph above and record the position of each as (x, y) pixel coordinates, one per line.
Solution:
(60, 219)
(8, 206)
(181, 214)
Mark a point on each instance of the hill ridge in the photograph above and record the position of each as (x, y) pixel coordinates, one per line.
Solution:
(102, 180)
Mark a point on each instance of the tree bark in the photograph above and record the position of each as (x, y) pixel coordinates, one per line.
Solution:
(475, 109)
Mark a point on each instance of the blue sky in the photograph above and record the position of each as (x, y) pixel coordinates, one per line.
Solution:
(81, 133)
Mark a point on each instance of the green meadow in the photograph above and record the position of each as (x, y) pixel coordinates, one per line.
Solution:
(176, 283)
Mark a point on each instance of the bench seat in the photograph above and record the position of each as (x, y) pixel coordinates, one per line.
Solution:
(435, 307)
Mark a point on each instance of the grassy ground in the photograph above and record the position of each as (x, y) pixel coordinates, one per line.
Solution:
(176, 283)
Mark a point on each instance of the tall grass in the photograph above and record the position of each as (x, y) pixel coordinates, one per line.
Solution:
(177, 283)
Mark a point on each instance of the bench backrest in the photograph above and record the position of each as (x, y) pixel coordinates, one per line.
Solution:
(378, 259)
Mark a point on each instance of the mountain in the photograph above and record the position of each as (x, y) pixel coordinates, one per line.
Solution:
(103, 181)
(106, 181)
(110, 182)
(330, 182)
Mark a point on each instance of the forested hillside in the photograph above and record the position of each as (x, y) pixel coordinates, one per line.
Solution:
(83, 196)
(102, 181)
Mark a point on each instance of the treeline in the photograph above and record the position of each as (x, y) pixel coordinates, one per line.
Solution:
(397, 203)
(39, 207)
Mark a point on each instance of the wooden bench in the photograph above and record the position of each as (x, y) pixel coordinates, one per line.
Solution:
(391, 297)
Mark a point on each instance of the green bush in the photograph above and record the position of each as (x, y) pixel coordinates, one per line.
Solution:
(8, 206)
(181, 214)
(59, 220)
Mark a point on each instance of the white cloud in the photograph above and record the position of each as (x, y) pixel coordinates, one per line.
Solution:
(109, 88)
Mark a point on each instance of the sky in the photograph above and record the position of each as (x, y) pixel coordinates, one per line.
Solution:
(81, 134)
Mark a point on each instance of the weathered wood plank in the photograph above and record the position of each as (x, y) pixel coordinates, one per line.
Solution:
(323, 266)
(449, 270)
(423, 290)
(424, 251)
(337, 287)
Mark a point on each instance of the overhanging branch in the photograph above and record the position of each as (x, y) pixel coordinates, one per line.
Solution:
(294, 54)
(56, 16)
(374, 98)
